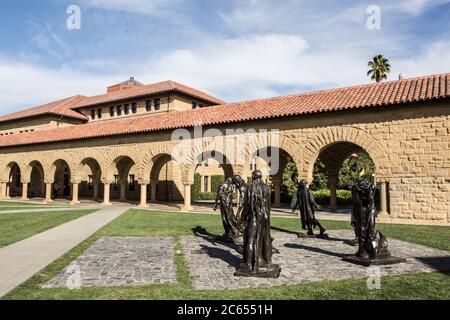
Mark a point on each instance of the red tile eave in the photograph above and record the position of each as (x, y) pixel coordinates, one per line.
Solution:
(422, 89)
(178, 126)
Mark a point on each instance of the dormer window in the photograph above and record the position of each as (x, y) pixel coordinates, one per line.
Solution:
(194, 105)
(126, 108)
(93, 114)
(99, 113)
(119, 110)
(157, 104)
(148, 105)
(134, 107)
(111, 111)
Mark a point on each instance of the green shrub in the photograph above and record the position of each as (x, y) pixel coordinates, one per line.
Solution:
(206, 196)
(215, 182)
(344, 197)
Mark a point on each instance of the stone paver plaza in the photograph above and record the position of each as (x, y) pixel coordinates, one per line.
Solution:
(117, 261)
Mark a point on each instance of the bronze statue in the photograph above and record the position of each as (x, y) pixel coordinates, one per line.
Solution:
(372, 244)
(257, 256)
(241, 187)
(307, 204)
(232, 227)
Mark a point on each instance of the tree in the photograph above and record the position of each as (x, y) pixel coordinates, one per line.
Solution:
(380, 68)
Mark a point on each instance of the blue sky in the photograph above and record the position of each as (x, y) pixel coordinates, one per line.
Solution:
(234, 49)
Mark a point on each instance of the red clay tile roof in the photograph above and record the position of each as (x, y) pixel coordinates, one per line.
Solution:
(59, 108)
(429, 88)
(151, 89)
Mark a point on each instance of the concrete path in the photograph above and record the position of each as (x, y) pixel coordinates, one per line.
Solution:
(21, 260)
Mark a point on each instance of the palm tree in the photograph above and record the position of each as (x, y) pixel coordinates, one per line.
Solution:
(380, 67)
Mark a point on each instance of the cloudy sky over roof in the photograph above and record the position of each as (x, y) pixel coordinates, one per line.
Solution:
(233, 49)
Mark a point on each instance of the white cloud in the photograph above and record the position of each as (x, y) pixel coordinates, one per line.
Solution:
(415, 7)
(251, 67)
(26, 85)
(133, 6)
(434, 59)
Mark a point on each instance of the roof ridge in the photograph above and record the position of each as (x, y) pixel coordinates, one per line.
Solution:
(339, 89)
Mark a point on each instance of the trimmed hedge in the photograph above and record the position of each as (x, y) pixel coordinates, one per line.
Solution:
(344, 197)
(196, 193)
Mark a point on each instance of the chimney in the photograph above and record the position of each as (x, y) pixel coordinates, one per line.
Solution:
(400, 77)
(128, 84)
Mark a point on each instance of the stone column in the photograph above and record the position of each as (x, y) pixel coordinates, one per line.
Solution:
(25, 190)
(277, 191)
(75, 187)
(333, 179)
(123, 190)
(106, 192)
(48, 193)
(95, 187)
(187, 197)
(7, 187)
(143, 203)
(2, 190)
(383, 214)
(153, 192)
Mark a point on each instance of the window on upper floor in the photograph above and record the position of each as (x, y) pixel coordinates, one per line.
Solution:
(148, 105)
(111, 111)
(194, 105)
(200, 105)
(157, 104)
(134, 107)
(126, 108)
(99, 113)
(93, 114)
(119, 110)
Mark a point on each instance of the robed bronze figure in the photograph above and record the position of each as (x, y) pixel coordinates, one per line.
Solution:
(372, 244)
(233, 228)
(257, 250)
(307, 205)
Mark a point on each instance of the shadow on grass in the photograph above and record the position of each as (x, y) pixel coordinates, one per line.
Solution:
(440, 264)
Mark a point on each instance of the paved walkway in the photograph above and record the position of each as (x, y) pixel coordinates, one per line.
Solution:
(21, 260)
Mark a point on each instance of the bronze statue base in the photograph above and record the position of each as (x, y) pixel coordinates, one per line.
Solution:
(273, 272)
(312, 236)
(378, 261)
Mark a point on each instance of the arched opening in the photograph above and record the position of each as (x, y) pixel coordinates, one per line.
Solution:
(14, 185)
(212, 168)
(62, 179)
(35, 173)
(90, 179)
(335, 170)
(279, 172)
(165, 180)
(124, 184)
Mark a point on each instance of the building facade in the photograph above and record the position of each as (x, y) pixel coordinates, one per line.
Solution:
(125, 144)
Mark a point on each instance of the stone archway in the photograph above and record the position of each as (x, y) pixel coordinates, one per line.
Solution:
(35, 174)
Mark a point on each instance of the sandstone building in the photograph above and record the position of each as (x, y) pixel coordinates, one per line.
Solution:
(120, 145)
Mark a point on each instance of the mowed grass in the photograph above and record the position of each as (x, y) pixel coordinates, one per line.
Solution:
(11, 205)
(147, 223)
(18, 226)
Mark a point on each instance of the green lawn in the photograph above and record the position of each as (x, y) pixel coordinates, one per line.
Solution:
(11, 205)
(18, 226)
(145, 223)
